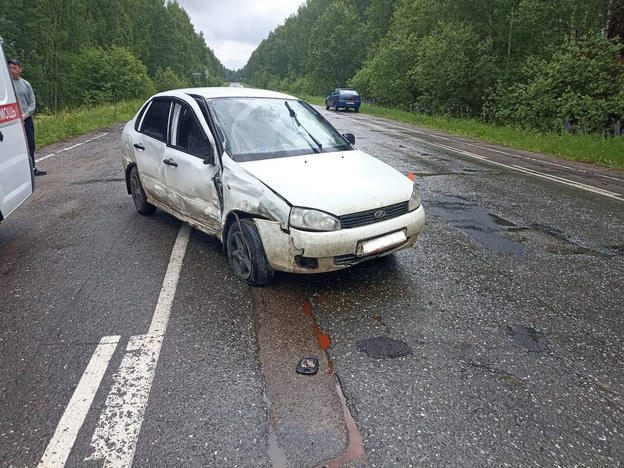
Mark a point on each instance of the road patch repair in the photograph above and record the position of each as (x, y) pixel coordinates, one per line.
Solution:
(309, 421)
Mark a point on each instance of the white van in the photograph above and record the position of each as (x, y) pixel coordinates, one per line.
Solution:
(16, 175)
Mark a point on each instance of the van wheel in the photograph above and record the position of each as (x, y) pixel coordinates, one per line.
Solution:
(246, 253)
(138, 194)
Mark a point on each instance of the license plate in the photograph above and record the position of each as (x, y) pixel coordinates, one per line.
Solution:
(378, 244)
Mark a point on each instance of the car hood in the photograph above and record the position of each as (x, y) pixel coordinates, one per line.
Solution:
(339, 183)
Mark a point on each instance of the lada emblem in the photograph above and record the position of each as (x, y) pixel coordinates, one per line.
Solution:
(379, 214)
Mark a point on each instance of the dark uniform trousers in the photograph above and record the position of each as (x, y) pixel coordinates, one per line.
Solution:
(29, 127)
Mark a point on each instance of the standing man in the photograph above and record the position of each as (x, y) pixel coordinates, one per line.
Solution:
(26, 98)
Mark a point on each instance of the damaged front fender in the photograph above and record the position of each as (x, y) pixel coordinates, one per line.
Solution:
(278, 246)
(242, 192)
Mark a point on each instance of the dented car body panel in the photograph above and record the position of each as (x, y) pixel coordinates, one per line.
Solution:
(335, 182)
(214, 156)
(242, 192)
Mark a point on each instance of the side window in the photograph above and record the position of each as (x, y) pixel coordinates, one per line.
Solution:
(190, 136)
(155, 120)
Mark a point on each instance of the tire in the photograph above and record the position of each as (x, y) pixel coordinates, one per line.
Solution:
(326, 106)
(138, 194)
(357, 109)
(246, 254)
(336, 107)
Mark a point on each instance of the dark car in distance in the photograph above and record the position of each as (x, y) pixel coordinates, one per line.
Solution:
(346, 98)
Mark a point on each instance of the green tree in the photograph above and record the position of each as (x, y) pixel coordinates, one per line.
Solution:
(338, 46)
(110, 75)
(451, 71)
(581, 84)
(166, 79)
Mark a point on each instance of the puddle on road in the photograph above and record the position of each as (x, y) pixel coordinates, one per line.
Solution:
(422, 175)
(383, 347)
(477, 222)
(464, 171)
(97, 181)
(504, 236)
(529, 338)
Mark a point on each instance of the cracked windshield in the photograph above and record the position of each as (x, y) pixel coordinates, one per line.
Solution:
(261, 128)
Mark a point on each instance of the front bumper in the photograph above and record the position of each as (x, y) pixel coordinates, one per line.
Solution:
(333, 250)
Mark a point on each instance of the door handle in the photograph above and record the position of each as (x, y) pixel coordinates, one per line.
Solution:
(170, 162)
(139, 146)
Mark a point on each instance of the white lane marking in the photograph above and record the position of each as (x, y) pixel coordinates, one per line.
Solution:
(561, 180)
(507, 153)
(71, 147)
(571, 183)
(117, 432)
(65, 435)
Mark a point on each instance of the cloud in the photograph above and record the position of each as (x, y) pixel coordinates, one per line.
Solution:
(234, 29)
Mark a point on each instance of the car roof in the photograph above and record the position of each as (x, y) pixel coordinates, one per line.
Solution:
(225, 92)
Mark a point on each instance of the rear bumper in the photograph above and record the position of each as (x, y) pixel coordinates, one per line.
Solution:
(349, 103)
(333, 250)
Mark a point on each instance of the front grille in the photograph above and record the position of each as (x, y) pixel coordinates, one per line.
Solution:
(364, 218)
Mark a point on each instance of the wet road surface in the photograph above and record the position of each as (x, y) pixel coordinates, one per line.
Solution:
(496, 340)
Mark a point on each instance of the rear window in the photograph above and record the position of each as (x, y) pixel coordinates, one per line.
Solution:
(348, 92)
(156, 119)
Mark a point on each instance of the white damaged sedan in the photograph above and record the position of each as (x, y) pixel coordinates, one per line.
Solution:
(270, 177)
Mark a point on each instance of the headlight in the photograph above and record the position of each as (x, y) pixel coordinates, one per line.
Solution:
(313, 220)
(415, 200)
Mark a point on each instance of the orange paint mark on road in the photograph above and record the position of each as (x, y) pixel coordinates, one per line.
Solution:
(323, 339)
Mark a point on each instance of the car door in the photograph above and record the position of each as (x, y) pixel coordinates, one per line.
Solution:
(150, 143)
(16, 177)
(333, 98)
(190, 168)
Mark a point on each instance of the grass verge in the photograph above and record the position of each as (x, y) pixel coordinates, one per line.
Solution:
(608, 152)
(71, 123)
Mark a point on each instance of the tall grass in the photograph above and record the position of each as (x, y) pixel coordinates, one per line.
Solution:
(74, 122)
(608, 152)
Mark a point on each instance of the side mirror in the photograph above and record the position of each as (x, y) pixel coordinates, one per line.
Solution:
(350, 137)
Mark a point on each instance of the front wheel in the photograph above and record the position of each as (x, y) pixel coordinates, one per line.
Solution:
(326, 106)
(246, 253)
(138, 194)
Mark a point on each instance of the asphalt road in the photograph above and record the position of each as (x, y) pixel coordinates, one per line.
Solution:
(497, 340)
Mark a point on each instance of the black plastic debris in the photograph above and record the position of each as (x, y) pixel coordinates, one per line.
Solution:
(382, 347)
(308, 365)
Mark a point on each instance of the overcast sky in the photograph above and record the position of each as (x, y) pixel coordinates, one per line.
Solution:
(233, 29)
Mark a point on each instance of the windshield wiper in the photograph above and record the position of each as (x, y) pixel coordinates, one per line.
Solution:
(293, 114)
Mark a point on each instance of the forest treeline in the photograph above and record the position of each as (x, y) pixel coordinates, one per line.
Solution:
(550, 65)
(89, 52)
